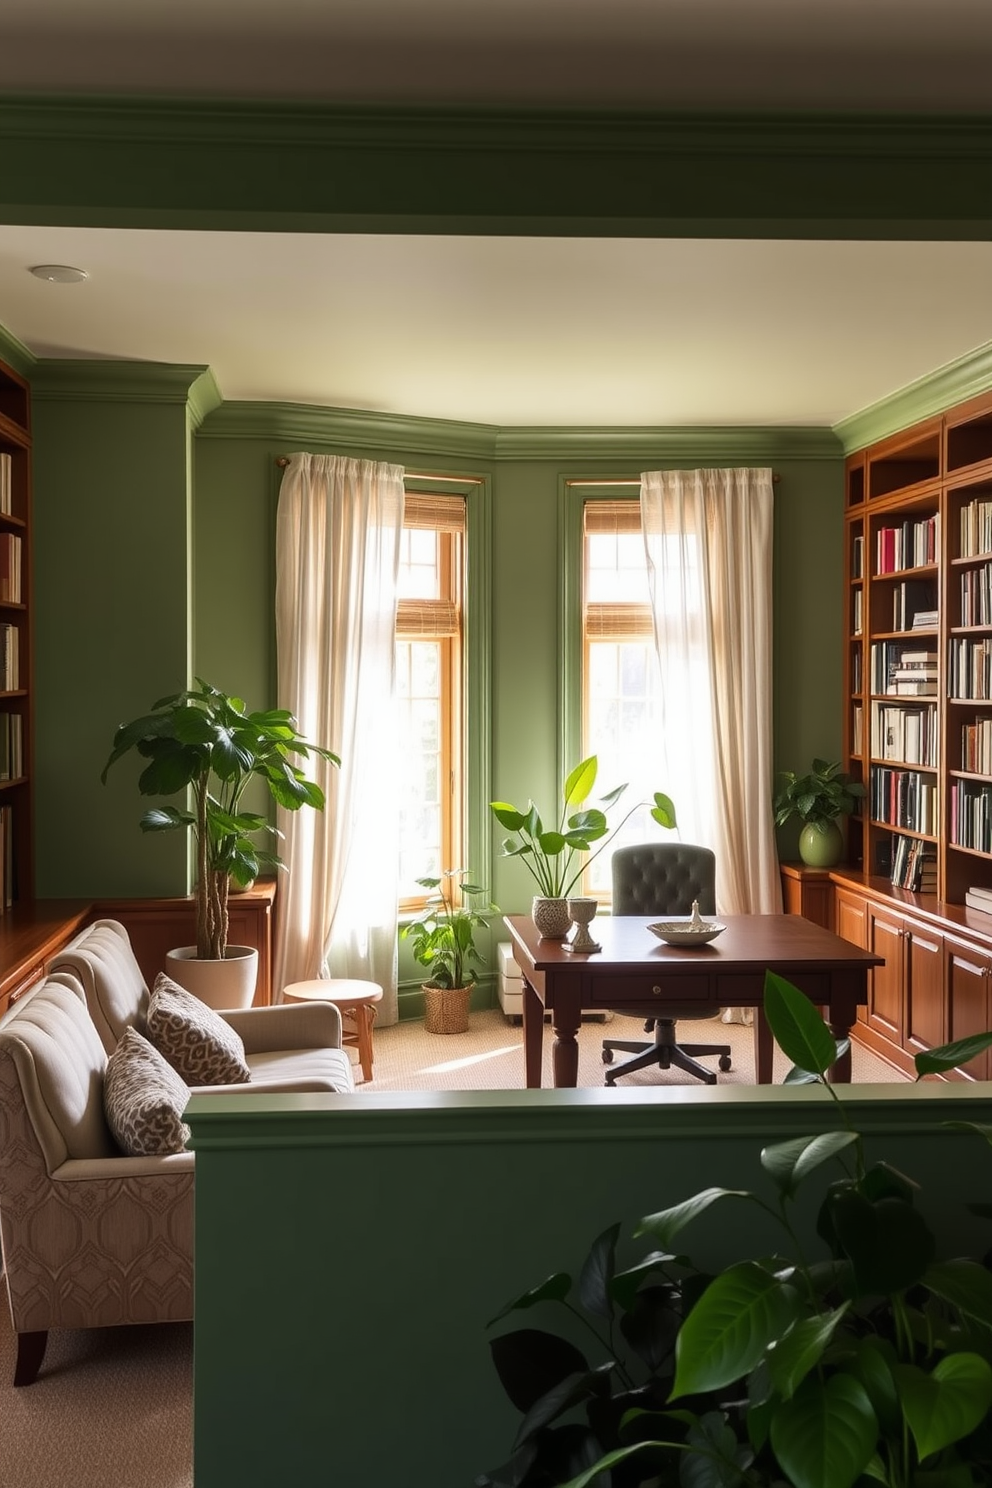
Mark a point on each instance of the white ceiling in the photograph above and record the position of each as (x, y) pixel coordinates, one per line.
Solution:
(513, 330)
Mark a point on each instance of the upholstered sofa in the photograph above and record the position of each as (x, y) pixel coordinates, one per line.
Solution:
(91, 1237)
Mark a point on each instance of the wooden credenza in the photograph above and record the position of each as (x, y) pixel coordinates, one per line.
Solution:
(158, 925)
(33, 932)
(936, 983)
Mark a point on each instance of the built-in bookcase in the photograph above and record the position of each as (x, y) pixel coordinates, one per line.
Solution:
(16, 642)
(918, 655)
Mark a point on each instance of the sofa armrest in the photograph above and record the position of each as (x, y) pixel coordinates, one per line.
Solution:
(312, 1025)
(288, 1086)
(105, 1169)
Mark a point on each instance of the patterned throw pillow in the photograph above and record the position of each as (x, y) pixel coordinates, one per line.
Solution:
(144, 1099)
(195, 1040)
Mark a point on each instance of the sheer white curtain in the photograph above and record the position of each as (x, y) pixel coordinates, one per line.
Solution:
(338, 531)
(708, 535)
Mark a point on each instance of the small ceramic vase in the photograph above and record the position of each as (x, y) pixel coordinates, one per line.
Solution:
(551, 918)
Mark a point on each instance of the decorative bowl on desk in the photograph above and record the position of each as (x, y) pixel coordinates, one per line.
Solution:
(687, 930)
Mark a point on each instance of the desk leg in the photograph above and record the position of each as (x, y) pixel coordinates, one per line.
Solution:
(533, 1015)
(764, 1048)
(565, 1020)
(840, 1026)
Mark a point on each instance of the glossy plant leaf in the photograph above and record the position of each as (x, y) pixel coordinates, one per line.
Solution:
(965, 1284)
(531, 1363)
(667, 1223)
(946, 1405)
(872, 1365)
(651, 1326)
(792, 1358)
(889, 1243)
(799, 1031)
(824, 1437)
(596, 1276)
(553, 1289)
(663, 810)
(718, 1459)
(742, 1312)
(625, 1283)
(580, 781)
(788, 1163)
(951, 1056)
(562, 1397)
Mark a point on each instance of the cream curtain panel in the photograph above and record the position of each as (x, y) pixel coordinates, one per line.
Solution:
(338, 530)
(708, 536)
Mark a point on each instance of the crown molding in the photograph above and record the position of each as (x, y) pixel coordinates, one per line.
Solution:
(299, 424)
(119, 382)
(91, 160)
(934, 393)
(204, 397)
(302, 424)
(16, 354)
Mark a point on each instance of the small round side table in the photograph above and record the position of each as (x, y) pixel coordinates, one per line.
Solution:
(354, 1000)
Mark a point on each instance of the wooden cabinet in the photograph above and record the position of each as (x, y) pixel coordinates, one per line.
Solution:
(16, 642)
(30, 936)
(157, 925)
(969, 977)
(808, 892)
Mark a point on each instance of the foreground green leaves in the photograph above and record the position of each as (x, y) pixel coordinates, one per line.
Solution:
(866, 1361)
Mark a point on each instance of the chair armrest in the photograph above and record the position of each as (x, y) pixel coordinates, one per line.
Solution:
(312, 1025)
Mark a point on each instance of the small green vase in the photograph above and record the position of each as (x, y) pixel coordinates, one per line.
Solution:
(821, 847)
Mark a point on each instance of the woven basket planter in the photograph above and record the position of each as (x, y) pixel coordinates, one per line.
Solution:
(446, 1009)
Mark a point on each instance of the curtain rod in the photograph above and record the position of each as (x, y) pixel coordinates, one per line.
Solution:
(283, 461)
(634, 482)
(473, 480)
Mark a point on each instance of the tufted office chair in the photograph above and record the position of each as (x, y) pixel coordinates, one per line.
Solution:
(657, 879)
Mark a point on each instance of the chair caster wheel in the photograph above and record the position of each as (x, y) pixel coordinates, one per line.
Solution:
(607, 1056)
(724, 1062)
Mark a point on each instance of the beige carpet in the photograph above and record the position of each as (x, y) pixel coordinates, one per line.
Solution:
(490, 1056)
(112, 1408)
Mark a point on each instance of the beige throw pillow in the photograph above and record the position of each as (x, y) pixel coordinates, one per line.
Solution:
(195, 1040)
(144, 1099)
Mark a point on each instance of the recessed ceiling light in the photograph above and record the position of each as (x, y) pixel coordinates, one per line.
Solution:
(59, 273)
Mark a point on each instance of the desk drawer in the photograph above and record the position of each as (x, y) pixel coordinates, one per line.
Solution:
(654, 988)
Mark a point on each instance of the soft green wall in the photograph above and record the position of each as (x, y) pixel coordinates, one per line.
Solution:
(350, 1249)
(112, 634)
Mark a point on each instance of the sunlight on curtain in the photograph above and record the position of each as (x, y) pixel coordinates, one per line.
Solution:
(708, 537)
(338, 530)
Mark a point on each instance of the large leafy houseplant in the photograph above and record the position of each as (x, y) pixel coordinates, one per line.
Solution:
(443, 936)
(203, 740)
(868, 1363)
(554, 856)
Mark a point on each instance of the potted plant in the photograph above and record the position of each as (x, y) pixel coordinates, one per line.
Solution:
(443, 941)
(868, 1363)
(555, 856)
(205, 741)
(818, 799)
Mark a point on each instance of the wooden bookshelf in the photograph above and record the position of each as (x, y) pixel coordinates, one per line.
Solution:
(918, 727)
(16, 644)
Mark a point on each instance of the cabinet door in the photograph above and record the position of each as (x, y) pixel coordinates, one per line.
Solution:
(923, 951)
(852, 917)
(886, 983)
(968, 978)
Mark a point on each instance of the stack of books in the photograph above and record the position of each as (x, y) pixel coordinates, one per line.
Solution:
(914, 865)
(925, 620)
(979, 898)
(915, 675)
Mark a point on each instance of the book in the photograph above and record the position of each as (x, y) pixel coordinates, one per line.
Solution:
(978, 892)
(974, 901)
(915, 689)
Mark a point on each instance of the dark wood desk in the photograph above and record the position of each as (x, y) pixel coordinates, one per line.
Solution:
(637, 972)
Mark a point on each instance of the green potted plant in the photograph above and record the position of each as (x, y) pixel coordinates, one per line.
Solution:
(555, 856)
(443, 941)
(207, 742)
(867, 1363)
(817, 798)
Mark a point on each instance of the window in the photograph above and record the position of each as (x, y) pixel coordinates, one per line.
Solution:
(620, 681)
(429, 672)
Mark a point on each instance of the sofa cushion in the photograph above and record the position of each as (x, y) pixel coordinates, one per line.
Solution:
(331, 1068)
(144, 1099)
(196, 1041)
